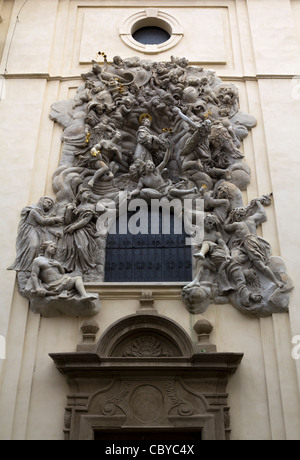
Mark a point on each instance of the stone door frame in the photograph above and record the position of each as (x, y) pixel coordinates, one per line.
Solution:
(146, 374)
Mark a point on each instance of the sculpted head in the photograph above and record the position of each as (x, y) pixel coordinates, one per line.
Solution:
(83, 193)
(145, 119)
(223, 192)
(239, 214)
(49, 246)
(47, 203)
(196, 298)
(118, 136)
(210, 222)
(150, 166)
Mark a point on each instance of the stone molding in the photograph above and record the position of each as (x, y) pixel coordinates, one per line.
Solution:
(151, 17)
(184, 389)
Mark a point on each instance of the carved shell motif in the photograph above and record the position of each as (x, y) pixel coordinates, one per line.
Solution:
(146, 347)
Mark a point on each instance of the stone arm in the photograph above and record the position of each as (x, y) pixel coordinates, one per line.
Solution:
(136, 191)
(185, 118)
(230, 228)
(214, 202)
(69, 213)
(80, 224)
(45, 220)
(165, 161)
(222, 243)
(150, 141)
(119, 156)
(260, 215)
(95, 150)
(157, 143)
(179, 136)
(37, 286)
(105, 127)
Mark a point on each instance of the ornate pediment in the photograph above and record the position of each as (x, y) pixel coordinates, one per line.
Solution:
(145, 336)
(144, 373)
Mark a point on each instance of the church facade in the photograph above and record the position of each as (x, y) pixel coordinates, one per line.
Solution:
(149, 226)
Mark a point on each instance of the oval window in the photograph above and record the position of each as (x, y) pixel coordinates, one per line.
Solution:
(151, 35)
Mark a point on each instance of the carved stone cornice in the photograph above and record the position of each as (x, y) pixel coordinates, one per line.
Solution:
(161, 291)
(63, 78)
(73, 364)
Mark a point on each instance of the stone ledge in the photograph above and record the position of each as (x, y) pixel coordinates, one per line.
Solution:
(135, 290)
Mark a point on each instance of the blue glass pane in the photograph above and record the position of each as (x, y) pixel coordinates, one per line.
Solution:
(151, 35)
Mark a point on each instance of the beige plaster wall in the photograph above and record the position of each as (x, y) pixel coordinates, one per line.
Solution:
(253, 43)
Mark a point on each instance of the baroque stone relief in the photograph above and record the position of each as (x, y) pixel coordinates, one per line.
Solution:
(150, 130)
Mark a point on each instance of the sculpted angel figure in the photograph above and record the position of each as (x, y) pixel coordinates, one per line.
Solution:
(148, 144)
(222, 145)
(38, 222)
(216, 258)
(48, 277)
(84, 95)
(246, 246)
(152, 184)
(196, 147)
(103, 177)
(111, 155)
(80, 248)
(215, 247)
(206, 92)
(223, 199)
(212, 239)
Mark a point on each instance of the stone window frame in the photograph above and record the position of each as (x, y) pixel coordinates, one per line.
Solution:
(151, 17)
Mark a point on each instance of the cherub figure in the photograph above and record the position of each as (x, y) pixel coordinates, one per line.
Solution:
(206, 92)
(84, 95)
(110, 154)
